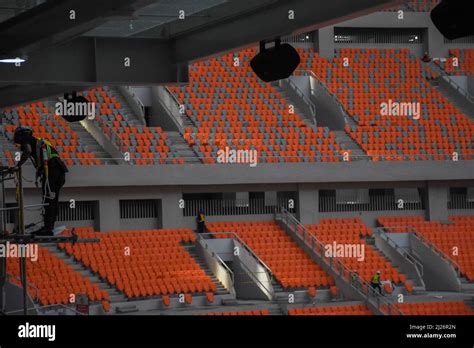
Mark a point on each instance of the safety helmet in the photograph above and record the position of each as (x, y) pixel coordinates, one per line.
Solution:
(378, 272)
(21, 134)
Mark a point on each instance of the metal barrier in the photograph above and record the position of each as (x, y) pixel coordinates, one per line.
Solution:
(225, 207)
(338, 268)
(376, 203)
(460, 201)
(53, 306)
(426, 241)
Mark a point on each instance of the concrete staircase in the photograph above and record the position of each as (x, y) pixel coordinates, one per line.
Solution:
(126, 110)
(114, 294)
(416, 287)
(347, 143)
(291, 98)
(455, 98)
(87, 141)
(191, 249)
(182, 149)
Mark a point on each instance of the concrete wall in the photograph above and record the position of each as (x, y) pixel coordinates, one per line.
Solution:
(470, 85)
(396, 258)
(433, 40)
(144, 94)
(136, 183)
(438, 274)
(160, 113)
(328, 111)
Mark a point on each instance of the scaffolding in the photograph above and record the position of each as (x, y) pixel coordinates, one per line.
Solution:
(19, 236)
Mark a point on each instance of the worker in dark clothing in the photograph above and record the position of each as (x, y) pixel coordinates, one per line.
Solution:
(50, 169)
(201, 222)
(375, 282)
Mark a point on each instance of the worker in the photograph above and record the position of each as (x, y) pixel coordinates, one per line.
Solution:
(50, 169)
(201, 222)
(355, 278)
(375, 282)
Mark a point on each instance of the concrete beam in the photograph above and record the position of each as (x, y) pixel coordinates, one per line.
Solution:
(88, 61)
(365, 172)
(52, 22)
(269, 22)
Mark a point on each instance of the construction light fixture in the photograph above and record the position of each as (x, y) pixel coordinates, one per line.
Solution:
(16, 60)
(275, 63)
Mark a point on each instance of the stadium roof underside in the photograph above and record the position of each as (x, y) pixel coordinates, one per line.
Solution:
(64, 54)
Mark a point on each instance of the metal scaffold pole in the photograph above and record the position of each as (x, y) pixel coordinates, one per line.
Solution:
(21, 237)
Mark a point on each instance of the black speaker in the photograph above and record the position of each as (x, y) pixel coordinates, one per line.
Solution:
(453, 18)
(275, 63)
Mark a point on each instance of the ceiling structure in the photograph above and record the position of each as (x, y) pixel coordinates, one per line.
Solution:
(64, 53)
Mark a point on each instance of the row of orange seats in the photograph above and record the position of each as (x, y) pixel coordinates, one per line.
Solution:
(53, 281)
(241, 313)
(143, 263)
(435, 308)
(331, 310)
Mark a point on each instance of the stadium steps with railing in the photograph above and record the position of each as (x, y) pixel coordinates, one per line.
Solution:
(114, 294)
(455, 98)
(126, 111)
(347, 143)
(418, 288)
(191, 249)
(183, 150)
(87, 141)
(291, 98)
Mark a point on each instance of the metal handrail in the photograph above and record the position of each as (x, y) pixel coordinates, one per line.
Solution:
(176, 101)
(235, 236)
(451, 81)
(136, 99)
(112, 135)
(430, 244)
(322, 84)
(252, 274)
(48, 306)
(409, 257)
(178, 122)
(300, 93)
(340, 269)
(28, 284)
(249, 272)
(214, 254)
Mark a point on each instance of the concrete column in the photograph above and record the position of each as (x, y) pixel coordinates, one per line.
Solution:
(308, 204)
(325, 42)
(436, 202)
(436, 46)
(171, 212)
(108, 217)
